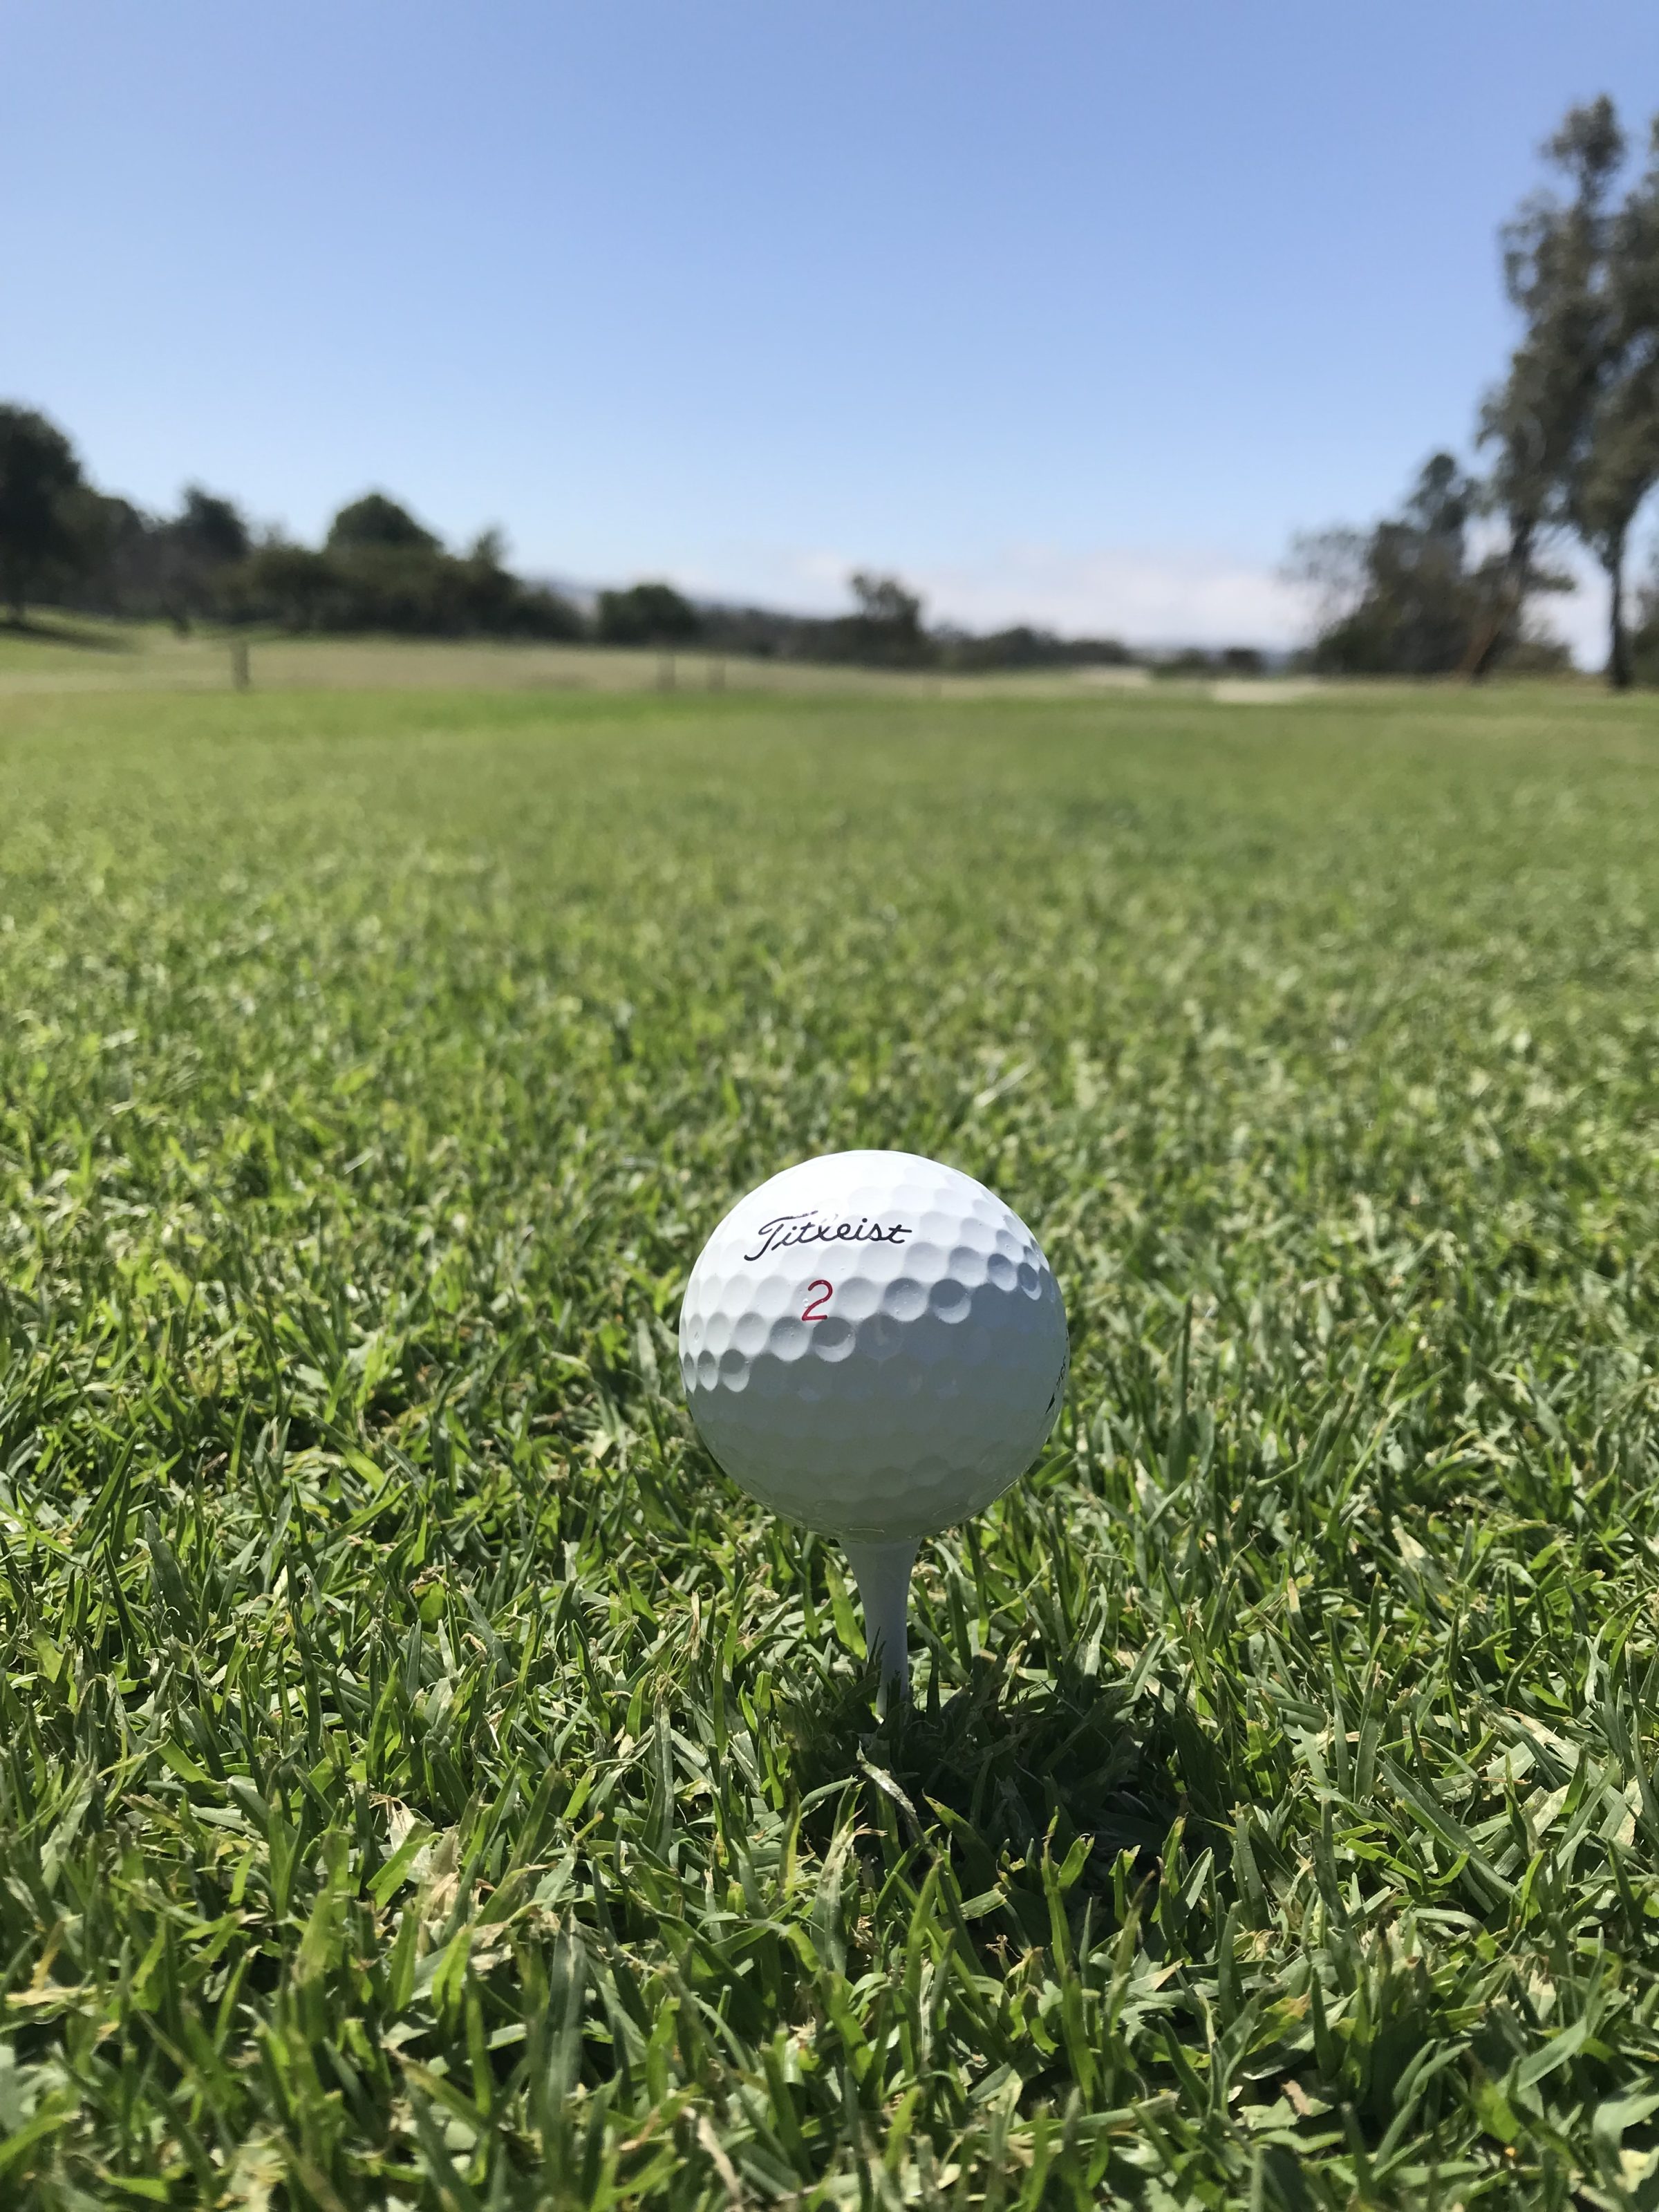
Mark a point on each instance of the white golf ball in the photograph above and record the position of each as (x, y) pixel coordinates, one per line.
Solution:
(874, 1343)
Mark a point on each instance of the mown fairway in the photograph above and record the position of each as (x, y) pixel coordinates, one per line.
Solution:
(424, 1780)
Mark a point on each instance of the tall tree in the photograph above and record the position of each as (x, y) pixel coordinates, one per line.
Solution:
(1539, 417)
(1619, 464)
(40, 525)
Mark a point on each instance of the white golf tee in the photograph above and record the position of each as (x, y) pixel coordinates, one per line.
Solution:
(882, 1572)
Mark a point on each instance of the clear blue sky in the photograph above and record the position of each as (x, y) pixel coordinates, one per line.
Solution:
(1067, 309)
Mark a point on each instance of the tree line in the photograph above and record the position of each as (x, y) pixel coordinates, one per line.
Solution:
(65, 543)
(1454, 582)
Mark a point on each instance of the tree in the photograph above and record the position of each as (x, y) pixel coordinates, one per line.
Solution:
(1331, 568)
(1403, 597)
(1619, 464)
(647, 613)
(39, 524)
(1644, 631)
(1539, 418)
(284, 583)
(1023, 645)
(887, 629)
(490, 600)
(388, 572)
(211, 530)
(415, 591)
(1619, 472)
(891, 614)
(376, 522)
(118, 571)
(193, 555)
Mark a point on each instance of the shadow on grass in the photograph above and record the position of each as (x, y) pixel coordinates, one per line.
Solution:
(43, 632)
(1003, 1765)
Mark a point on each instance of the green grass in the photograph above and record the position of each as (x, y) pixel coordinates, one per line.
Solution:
(424, 1781)
(61, 652)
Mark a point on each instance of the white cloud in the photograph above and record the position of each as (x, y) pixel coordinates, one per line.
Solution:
(1153, 596)
(1163, 597)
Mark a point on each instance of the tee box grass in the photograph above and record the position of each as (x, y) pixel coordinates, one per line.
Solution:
(424, 1781)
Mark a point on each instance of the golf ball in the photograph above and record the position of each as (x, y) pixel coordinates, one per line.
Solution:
(874, 1343)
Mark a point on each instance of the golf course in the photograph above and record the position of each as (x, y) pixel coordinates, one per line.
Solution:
(427, 1782)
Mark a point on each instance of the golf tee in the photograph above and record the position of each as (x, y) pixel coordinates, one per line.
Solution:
(883, 1571)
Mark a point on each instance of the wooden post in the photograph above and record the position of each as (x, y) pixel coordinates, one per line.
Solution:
(242, 680)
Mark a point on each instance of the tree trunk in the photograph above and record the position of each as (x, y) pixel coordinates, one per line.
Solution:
(1489, 641)
(1619, 673)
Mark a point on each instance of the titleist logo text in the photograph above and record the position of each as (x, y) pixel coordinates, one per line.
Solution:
(789, 1229)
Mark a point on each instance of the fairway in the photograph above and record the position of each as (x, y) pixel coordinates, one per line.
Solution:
(426, 1781)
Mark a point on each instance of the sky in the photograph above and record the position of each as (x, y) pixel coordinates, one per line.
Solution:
(1067, 311)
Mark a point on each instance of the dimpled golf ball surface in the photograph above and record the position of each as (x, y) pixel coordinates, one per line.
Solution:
(874, 1343)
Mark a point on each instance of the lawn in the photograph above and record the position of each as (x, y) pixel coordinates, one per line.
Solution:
(424, 1781)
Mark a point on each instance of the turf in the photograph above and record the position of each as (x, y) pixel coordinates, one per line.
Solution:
(63, 653)
(423, 1781)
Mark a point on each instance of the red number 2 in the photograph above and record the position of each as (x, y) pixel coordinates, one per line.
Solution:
(815, 1306)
